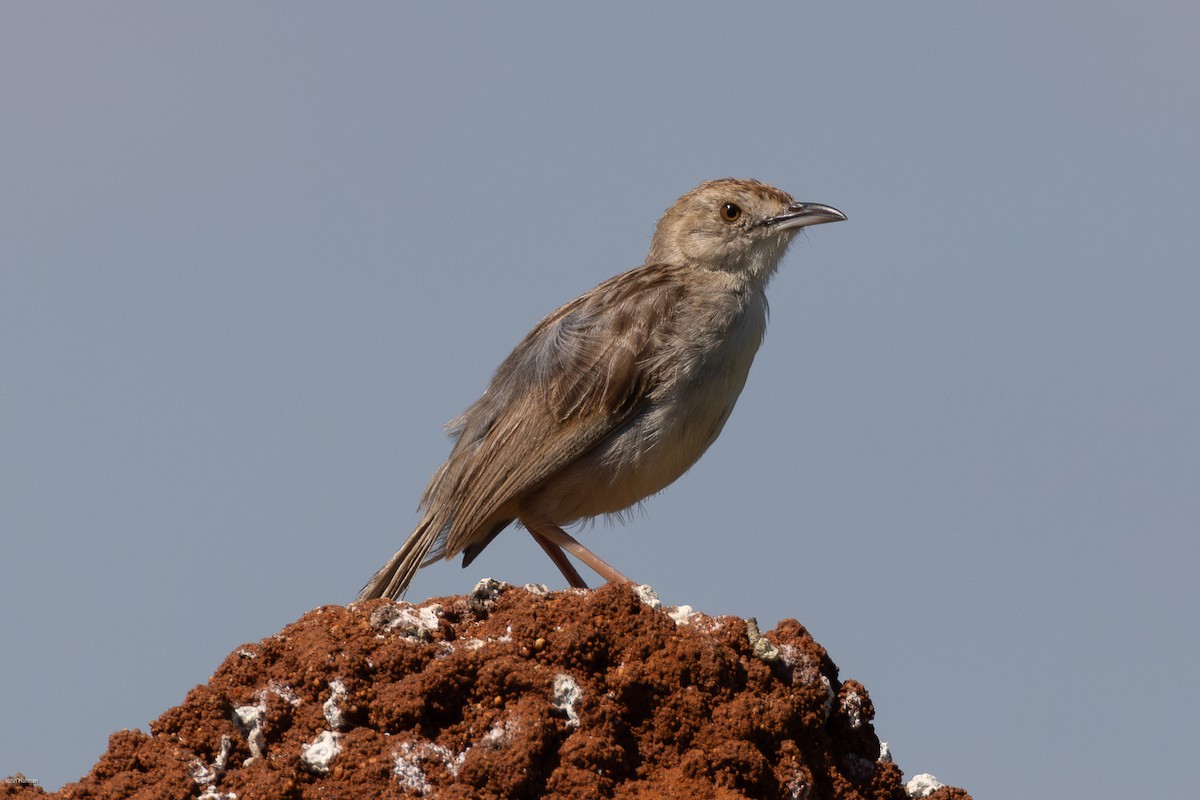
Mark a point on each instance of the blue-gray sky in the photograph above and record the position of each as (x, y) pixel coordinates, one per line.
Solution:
(253, 256)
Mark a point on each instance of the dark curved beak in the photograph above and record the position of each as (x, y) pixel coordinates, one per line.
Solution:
(801, 215)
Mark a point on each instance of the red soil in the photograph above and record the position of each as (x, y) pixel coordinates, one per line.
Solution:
(510, 693)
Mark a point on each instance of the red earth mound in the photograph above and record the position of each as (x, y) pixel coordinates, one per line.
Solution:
(511, 693)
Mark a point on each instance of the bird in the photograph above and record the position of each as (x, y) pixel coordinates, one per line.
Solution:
(616, 394)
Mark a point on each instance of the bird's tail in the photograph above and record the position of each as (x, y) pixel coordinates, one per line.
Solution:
(393, 578)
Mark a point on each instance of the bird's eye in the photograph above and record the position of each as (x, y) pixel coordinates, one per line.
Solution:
(730, 212)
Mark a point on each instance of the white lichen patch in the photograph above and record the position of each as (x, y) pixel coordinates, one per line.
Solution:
(537, 589)
(501, 733)
(410, 622)
(446, 648)
(798, 787)
(284, 692)
(409, 764)
(204, 774)
(565, 695)
(683, 615)
(248, 716)
(923, 785)
(484, 594)
(251, 719)
(201, 773)
(852, 707)
(409, 773)
(317, 755)
(332, 707)
(648, 596)
(885, 753)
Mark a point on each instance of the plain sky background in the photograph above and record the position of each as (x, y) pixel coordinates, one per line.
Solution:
(253, 256)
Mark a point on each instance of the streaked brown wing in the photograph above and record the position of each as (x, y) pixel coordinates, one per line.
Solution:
(575, 378)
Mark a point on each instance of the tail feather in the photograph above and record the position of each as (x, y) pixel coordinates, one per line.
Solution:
(393, 578)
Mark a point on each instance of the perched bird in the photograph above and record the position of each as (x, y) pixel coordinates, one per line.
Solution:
(615, 395)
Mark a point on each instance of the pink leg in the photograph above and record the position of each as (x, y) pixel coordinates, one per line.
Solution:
(560, 560)
(557, 537)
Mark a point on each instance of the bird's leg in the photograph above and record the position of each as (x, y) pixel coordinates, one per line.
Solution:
(559, 539)
(560, 560)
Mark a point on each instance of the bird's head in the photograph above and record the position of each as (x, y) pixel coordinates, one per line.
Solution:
(737, 226)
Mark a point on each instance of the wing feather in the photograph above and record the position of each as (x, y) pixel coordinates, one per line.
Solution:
(577, 377)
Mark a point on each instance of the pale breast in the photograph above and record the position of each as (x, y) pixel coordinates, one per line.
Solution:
(663, 441)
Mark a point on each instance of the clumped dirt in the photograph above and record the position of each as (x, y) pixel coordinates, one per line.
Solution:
(510, 693)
